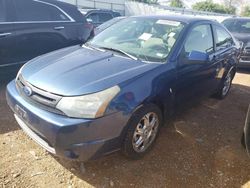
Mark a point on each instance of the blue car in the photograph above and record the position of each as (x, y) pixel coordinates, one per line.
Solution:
(115, 92)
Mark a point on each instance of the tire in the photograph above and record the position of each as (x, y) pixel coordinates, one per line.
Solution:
(225, 86)
(140, 135)
(243, 140)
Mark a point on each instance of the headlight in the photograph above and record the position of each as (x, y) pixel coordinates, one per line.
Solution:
(19, 72)
(88, 106)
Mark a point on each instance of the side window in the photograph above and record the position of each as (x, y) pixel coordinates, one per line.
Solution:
(103, 17)
(199, 39)
(223, 38)
(2, 11)
(94, 17)
(38, 11)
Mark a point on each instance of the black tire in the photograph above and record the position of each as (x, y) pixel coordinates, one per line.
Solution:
(243, 140)
(128, 146)
(221, 94)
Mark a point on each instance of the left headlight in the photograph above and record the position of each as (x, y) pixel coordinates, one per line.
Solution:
(88, 106)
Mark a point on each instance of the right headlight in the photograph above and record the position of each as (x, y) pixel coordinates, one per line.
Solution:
(88, 106)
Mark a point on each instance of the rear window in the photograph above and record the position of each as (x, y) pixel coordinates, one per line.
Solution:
(103, 17)
(38, 11)
(2, 11)
(237, 26)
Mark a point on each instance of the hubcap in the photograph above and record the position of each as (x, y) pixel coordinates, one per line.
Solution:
(145, 132)
(227, 84)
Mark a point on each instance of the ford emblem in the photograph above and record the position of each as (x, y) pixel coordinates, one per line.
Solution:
(27, 90)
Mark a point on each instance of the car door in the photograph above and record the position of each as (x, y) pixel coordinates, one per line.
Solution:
(196, 79)
(224, 50)
(7, 36)
(39, 28)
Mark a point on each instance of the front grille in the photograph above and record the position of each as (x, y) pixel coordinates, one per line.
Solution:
(247, 50)
(245, 58)
(38, 97)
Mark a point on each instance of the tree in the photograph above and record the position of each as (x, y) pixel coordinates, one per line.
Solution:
(230, 10)
(148, 1)
(176, 3)
(230, 5)
(209, 6)
(246, 11)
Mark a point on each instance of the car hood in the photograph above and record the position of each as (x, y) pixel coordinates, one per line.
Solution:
(244, 37)
(77, 70)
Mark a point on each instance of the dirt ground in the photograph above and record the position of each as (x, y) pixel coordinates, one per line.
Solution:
(199, 148)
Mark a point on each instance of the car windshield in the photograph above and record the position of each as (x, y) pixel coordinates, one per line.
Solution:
(238, 26)
(147, 39)
(109, 23)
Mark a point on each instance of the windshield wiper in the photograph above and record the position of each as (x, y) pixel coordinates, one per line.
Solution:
(120, 51)
(86, 45)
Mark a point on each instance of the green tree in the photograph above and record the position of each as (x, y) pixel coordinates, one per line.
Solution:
(246, 11)
(148, 1)
(176, 3)
(210, 6)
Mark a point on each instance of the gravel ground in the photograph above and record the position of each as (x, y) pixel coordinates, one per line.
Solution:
(199, 148)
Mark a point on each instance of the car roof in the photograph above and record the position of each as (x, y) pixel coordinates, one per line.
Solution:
(238, 18)
(180, 18)
(59, 3)
(68, 8)
(88, 10)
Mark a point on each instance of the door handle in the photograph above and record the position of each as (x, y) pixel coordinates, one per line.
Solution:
(59, 28)
(4, 34)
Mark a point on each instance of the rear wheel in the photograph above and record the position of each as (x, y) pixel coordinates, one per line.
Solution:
(225, 87)
(143, 130)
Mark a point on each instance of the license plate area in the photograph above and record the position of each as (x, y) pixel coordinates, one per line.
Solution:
(20, 112)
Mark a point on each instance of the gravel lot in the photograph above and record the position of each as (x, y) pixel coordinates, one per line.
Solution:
(200, 147)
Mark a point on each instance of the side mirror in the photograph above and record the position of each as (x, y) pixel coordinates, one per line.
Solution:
(89, 20)
(198, 57)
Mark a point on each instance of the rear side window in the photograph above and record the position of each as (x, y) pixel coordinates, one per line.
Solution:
(2, 11)
(199, 39)
(94, 17)
(103, 17)
(230, 25)
(38, 11)
(223, 38)
(100, 17)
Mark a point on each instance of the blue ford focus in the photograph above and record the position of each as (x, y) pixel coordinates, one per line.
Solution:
(114, 92)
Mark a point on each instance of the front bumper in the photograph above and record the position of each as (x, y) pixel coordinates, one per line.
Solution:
(243, 64)
(81, 139)
(244, 61)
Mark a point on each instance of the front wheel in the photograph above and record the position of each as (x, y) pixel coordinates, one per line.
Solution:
(225, 87)
(143, 130)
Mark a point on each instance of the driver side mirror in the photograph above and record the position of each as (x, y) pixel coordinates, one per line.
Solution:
(198, 57)
(89, 20)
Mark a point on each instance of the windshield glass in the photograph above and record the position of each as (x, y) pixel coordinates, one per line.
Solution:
(109, 23)
(238, 26)
(148, 39)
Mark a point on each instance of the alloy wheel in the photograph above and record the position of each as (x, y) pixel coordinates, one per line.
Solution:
(227, 84)
(145, 132)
